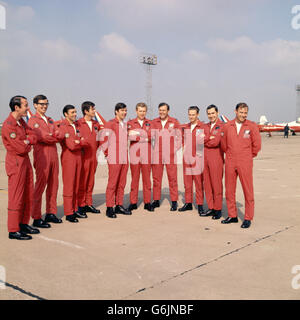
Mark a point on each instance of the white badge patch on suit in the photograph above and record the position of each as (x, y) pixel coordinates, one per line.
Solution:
(198, 132)
(247, 134)
(13, 135)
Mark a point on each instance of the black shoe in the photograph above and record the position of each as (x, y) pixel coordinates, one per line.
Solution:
(19, 236)
(91, 209)
(25, 228)
(82, 209)
(246, 224)
(40, 223)
(148, 207)
(230, 220)
(72, 217)
(217, 215)
(186, 207)
(155, 204)
(81, 215)
(201, 210)
(132, 206)
(110, 212)
(122, 210)
(50, 217)
(207, 213)
(174, 206)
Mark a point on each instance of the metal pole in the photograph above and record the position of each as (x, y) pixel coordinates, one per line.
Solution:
(298, 102)
(149, 91)
(149, 60)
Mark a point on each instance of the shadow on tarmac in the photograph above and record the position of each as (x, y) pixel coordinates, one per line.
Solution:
(99, 200)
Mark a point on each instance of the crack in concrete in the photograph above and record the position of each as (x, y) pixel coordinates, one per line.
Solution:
(22, 290)
(208, 262)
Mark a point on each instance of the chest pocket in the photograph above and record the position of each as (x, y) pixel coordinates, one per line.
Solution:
(216, 131)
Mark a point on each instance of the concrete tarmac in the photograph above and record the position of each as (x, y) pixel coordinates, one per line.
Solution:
(166, 255)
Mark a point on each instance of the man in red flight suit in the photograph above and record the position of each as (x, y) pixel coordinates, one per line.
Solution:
(213, 164)
(193, 161)
(89, 129)
(241, 141)
(115, 133)
(140, 156)
(166, 134)
(72, 144)
(17, 139)
(45, 164)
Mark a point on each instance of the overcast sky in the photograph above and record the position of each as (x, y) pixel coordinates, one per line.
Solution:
(209, 52)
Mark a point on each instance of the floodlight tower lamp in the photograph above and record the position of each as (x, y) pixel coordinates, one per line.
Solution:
(149, 60)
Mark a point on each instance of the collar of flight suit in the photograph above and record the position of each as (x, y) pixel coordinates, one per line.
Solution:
(13, 121)
(245, 124)
(37, 115)
(170, 120)
(218, 123)
(199, 124)
(82, 120)
(136, 120)
(118, 122)
(67, 123)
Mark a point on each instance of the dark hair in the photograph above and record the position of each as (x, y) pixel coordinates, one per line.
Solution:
(194, 108)
(163, 104)
(38, 98)
(241, 105)
(119, 106)
(15, 101)
(67, 108)
(212, 106)
(86, 106)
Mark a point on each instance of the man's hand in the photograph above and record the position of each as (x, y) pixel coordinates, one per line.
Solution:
(133, 133)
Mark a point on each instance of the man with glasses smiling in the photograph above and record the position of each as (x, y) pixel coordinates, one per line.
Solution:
(45, 164)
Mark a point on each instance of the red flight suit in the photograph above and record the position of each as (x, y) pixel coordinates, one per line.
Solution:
(193, 161)
(167, 141)
(140, 159)
(71, 164)
(89, 161)
(117, 158)
(19, 171)
(213, 166)
(45, 164)
(240, 150)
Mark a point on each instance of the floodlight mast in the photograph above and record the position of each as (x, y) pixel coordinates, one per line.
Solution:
(149, 60)
(298, 103)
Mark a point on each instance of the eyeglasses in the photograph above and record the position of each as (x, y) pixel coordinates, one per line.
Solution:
(44, 104)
